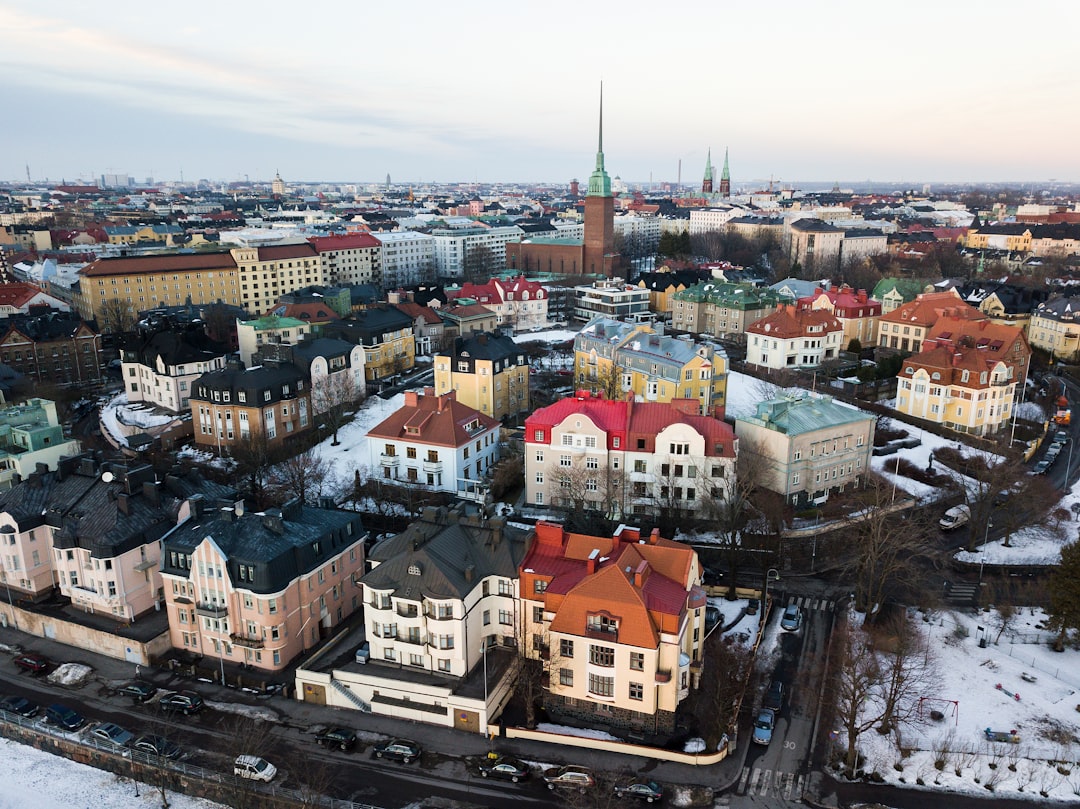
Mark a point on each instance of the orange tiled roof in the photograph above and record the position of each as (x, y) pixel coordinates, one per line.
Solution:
(929, 307)
(951, 363)
(787, 322)
(1003, 342)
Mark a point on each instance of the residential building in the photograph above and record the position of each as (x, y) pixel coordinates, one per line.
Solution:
(1004, 303)
(623, 457)
(461, 251)
(905, 328)
(21, 298)
(612, 299)
(428, 327)
(619, 625)
(436, 441)
(712, 220)
(253, 334)
(489, 372)
(807, 448)
(721, 309)
(757, 227)
(112, 290)
(387, 336)
(619, 358)
(794, 338)
(267, 272)
(464, 320)
(860, 244)
(261, 589)
(58, 348)
(333, 367)
(406, 258)
(350, 258)
(518, 304)
(231, 405)
(317, 315)
(995, 340)
(664, 284)
(1055, 328)
(141, 234)
(159, 369)
(795, 288)
(894, 292)
(958, 386)
(815, 245)
(857, 313)
(31, 436)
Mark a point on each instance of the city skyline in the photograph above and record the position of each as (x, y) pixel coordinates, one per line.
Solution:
(478, 92)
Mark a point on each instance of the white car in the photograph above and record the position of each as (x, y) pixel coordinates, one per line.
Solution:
(254, 768)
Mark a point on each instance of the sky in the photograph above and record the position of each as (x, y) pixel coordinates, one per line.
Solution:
(489, 91)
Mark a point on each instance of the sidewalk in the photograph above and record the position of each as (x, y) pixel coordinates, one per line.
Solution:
(297, 719)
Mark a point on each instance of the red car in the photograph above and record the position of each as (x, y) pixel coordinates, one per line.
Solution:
(35, 664)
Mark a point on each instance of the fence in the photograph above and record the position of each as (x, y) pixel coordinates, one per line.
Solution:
(155, 772)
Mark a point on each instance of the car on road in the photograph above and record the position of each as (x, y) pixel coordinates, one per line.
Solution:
(157, 746)
(254, 768)
(62, 716)
(570, 776)
(1042, 467)
(774, 698)
(32, 663)
(19, 705)
(401, 750)
(792, 619)
(342, 738)
(1062, 437)
(112, 734)
(507, 768)
(764, 723)
(1053, 451)
(138, 690)
(643, 789)
(186, 702)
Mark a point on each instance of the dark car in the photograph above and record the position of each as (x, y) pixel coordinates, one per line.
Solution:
(641, 788)
(402, 750)
(20, 705)
(341, 738)
(774, 699)
(1062, 437)
(138, 690)
(504, 767)
(186, 702)
(569, 776)
(62, 716)
(1042, 467)
(157, 746)
(112, 734)
(35, 664)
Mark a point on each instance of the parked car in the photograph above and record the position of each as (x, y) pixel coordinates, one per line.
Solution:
(954, 518)
(1062, 437)
(35, 664)
(157, 746)
(774, 699)
(62, 716)
(504, 767)
(138, 690)
(402, 750)
(341, 738)
(641, 788)
(19, 705)
(764, 723)
(254, 768)
(186, 702)
(792, 619)
(569, 776)
(1042, 467)
(111, 733)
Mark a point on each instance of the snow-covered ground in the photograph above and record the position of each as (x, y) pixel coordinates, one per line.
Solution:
(31, 777)
(121, 419)
(352, 451)
(1033, 545)
(1044, 717)
(550, 336)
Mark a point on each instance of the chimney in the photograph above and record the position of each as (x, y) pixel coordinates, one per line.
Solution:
(150, 492)
(641, 574)
(654, 537)
(470, 572)
(273, 524)
(412, 398)
(496, 524)
(123, 502)
(593, 556)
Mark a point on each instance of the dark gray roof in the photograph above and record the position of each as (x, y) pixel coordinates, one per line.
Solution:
(323, 347)
(272, 377)
(444, 554)
(485, 346)
(174, 348)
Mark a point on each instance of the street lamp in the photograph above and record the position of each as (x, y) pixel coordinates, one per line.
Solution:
(982, 554)
(772, 574)
(484, 650)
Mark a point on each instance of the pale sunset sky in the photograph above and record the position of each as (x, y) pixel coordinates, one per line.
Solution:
(486, 91)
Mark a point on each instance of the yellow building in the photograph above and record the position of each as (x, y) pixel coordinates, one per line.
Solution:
(957, 387)
(1055, 328)
(386, 334)
(267, 273)
(113, 290)
(489, 372)
(1010, 236)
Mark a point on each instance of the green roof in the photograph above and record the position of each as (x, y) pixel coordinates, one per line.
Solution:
(732, 296)
(794, 415)
(274, 322)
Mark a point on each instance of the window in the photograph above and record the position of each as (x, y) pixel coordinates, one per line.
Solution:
(506, 617)
(540, 586)
(602, 656)
(601, 686)
(539, 477)
(637, 661)
(592, 463)
(566, 677)
(637, 691)
(538, 615)
(487, 617)
(505, 588)
(566, 648)
(564, 460)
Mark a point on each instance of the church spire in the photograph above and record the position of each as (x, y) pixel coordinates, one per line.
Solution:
(706, 183)
(725, 177)
(599, 181)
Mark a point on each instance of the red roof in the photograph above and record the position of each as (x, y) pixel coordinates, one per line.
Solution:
(481, 293)
(159, 262)
(343, 241)
(929, 307)
(430, 419)
(846, 302)
(415, 310)
(647, 419)
(609, 416)
(277, 252)
(787, 322)
(308, 312)
(17, 295)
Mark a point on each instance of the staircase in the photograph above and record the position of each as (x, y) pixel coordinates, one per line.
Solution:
(355, 700)
(963, 594)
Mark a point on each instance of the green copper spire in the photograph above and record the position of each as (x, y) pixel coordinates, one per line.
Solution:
(599, 182)
(708, 166)
(724, 173)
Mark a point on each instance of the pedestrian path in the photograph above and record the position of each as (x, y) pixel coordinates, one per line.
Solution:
(771, 783)
(812, 603)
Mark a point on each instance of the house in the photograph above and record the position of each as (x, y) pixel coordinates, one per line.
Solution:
(518, 304)
(618, 623)
(461, 321)
(231, 405)
(436, 441)
(663, 285)
(807, 448)
(22, 298)
(58, 348)
(722, 309)
(387, 337)
(442, 620)
(795, 288)
(159, 369)
(618, 358)
(333, 367)
(894, 292)
(611, 299)
(31, 437)
(315, 314)
(794, 338)
(1055, 328)
(816, 245)
(625, 457)
(260, 589)
(253, 334)
(905, 328)
(428, 326)
(958, 386)
(996, 340)
(489, 372)
(857, 313)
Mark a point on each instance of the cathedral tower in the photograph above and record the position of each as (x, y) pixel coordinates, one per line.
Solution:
(706, 184)
(599, 254)
(725, 179)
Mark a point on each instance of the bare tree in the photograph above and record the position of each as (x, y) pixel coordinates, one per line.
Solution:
(332, 396)
(306, 475)
(116, 316)
(254, 457)
(855, 680)
(907, 671)
(606, 380)
(727, 664)
(479, 264)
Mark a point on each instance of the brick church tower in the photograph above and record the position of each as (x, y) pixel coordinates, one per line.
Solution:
(599, 255)
(706, 184)
(725, 179)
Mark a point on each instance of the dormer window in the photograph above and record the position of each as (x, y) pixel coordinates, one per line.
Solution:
(241, 396)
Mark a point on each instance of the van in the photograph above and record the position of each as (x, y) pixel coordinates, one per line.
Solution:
(954, 518)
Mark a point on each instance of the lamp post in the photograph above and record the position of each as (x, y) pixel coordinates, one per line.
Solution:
(772, 574)
(484, 650)
(982, 550)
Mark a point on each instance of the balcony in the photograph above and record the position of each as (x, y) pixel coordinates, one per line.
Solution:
(390, 461)
(602, 633)
(410, 611)
(211, 610)
(663, 676)
(435, 615)
(247, 642)
(433, 467)
(413, 640)
(146, 564)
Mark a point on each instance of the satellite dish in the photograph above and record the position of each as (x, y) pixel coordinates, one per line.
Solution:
(107, 477)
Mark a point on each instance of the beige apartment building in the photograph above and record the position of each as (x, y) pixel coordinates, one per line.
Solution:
(489, 372)
(267, 273)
